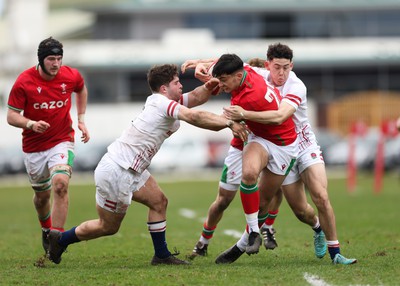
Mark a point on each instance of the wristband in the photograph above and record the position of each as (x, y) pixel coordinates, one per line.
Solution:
(29, 124)
(81, 117)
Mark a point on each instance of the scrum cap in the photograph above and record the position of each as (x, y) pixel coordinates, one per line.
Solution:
(49, 47)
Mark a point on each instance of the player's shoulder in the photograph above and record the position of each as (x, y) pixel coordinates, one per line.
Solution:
(70, 70)
(158, 100)
(27, 75)
(294, 79)
(255, 75)
(294, 82)
(29, 72)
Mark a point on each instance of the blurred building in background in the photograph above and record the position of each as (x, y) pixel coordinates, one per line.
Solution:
(343, 49)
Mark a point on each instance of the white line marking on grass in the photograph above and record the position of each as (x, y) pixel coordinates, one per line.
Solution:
(233, 232)
(187, 213)
(315, 280)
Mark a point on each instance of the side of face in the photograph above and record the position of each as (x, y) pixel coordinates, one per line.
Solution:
(173, 90)
(279, 70)
(228, 83)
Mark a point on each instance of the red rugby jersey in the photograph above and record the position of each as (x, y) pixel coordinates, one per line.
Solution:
(49, 101)
(256, 95)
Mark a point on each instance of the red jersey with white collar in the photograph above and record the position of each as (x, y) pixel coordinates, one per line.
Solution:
(255, 94)
(49, 101)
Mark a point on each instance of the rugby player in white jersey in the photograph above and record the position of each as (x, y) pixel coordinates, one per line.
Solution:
(122, 176)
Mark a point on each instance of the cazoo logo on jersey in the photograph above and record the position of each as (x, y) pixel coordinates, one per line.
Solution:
(51, 104)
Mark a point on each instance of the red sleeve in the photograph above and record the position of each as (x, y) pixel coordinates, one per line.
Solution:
(17, 97)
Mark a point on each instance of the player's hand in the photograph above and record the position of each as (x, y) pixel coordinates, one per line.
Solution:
(234, 112)
(212, 85)
(85, 133)
(40, 126)
(189, 64)
(201, 72)
(240, 130)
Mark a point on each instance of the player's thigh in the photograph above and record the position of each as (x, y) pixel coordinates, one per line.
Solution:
(114, 185)
(149, 194)
(255, 158)
(109, 218)
(315, 179)
(269, 184)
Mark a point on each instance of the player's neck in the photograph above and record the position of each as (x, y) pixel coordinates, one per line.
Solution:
(44, 75)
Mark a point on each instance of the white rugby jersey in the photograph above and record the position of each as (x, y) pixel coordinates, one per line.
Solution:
(294, 92)
(138, 144)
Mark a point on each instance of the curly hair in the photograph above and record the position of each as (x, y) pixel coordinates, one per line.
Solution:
(279, 51)
(161, 75)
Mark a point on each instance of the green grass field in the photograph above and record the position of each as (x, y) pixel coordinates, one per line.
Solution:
(368, 228)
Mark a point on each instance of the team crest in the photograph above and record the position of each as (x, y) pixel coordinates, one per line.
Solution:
(63, 88)
(283, 167)
(39, 89)
(313, 156)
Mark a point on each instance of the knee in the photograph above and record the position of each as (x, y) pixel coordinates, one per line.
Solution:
(160, 203)
(300, 214)
(222, 204)
(60, 187)
(110, 229)
(249, 177)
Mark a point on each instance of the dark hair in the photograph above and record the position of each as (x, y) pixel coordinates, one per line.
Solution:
(279, 51)
(47, 47)
(161, 75)
(227, 64)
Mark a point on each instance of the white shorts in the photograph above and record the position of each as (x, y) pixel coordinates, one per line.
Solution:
(232, 171)
(307, 157)
(38, 164)
(115, 185)
(280, 158)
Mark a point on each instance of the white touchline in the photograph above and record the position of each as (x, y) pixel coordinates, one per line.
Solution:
(187, 213)
(233, 232)
(315, 280)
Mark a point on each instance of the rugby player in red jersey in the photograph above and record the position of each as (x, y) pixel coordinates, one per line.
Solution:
(39, 103)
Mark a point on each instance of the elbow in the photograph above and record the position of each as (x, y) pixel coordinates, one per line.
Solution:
(10, 120)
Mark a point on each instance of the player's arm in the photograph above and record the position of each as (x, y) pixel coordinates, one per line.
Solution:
(16, 119)
(81, 102)
(202, 68)
(191, 64)
(211, 121)
(266, 117)
(202, 93)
